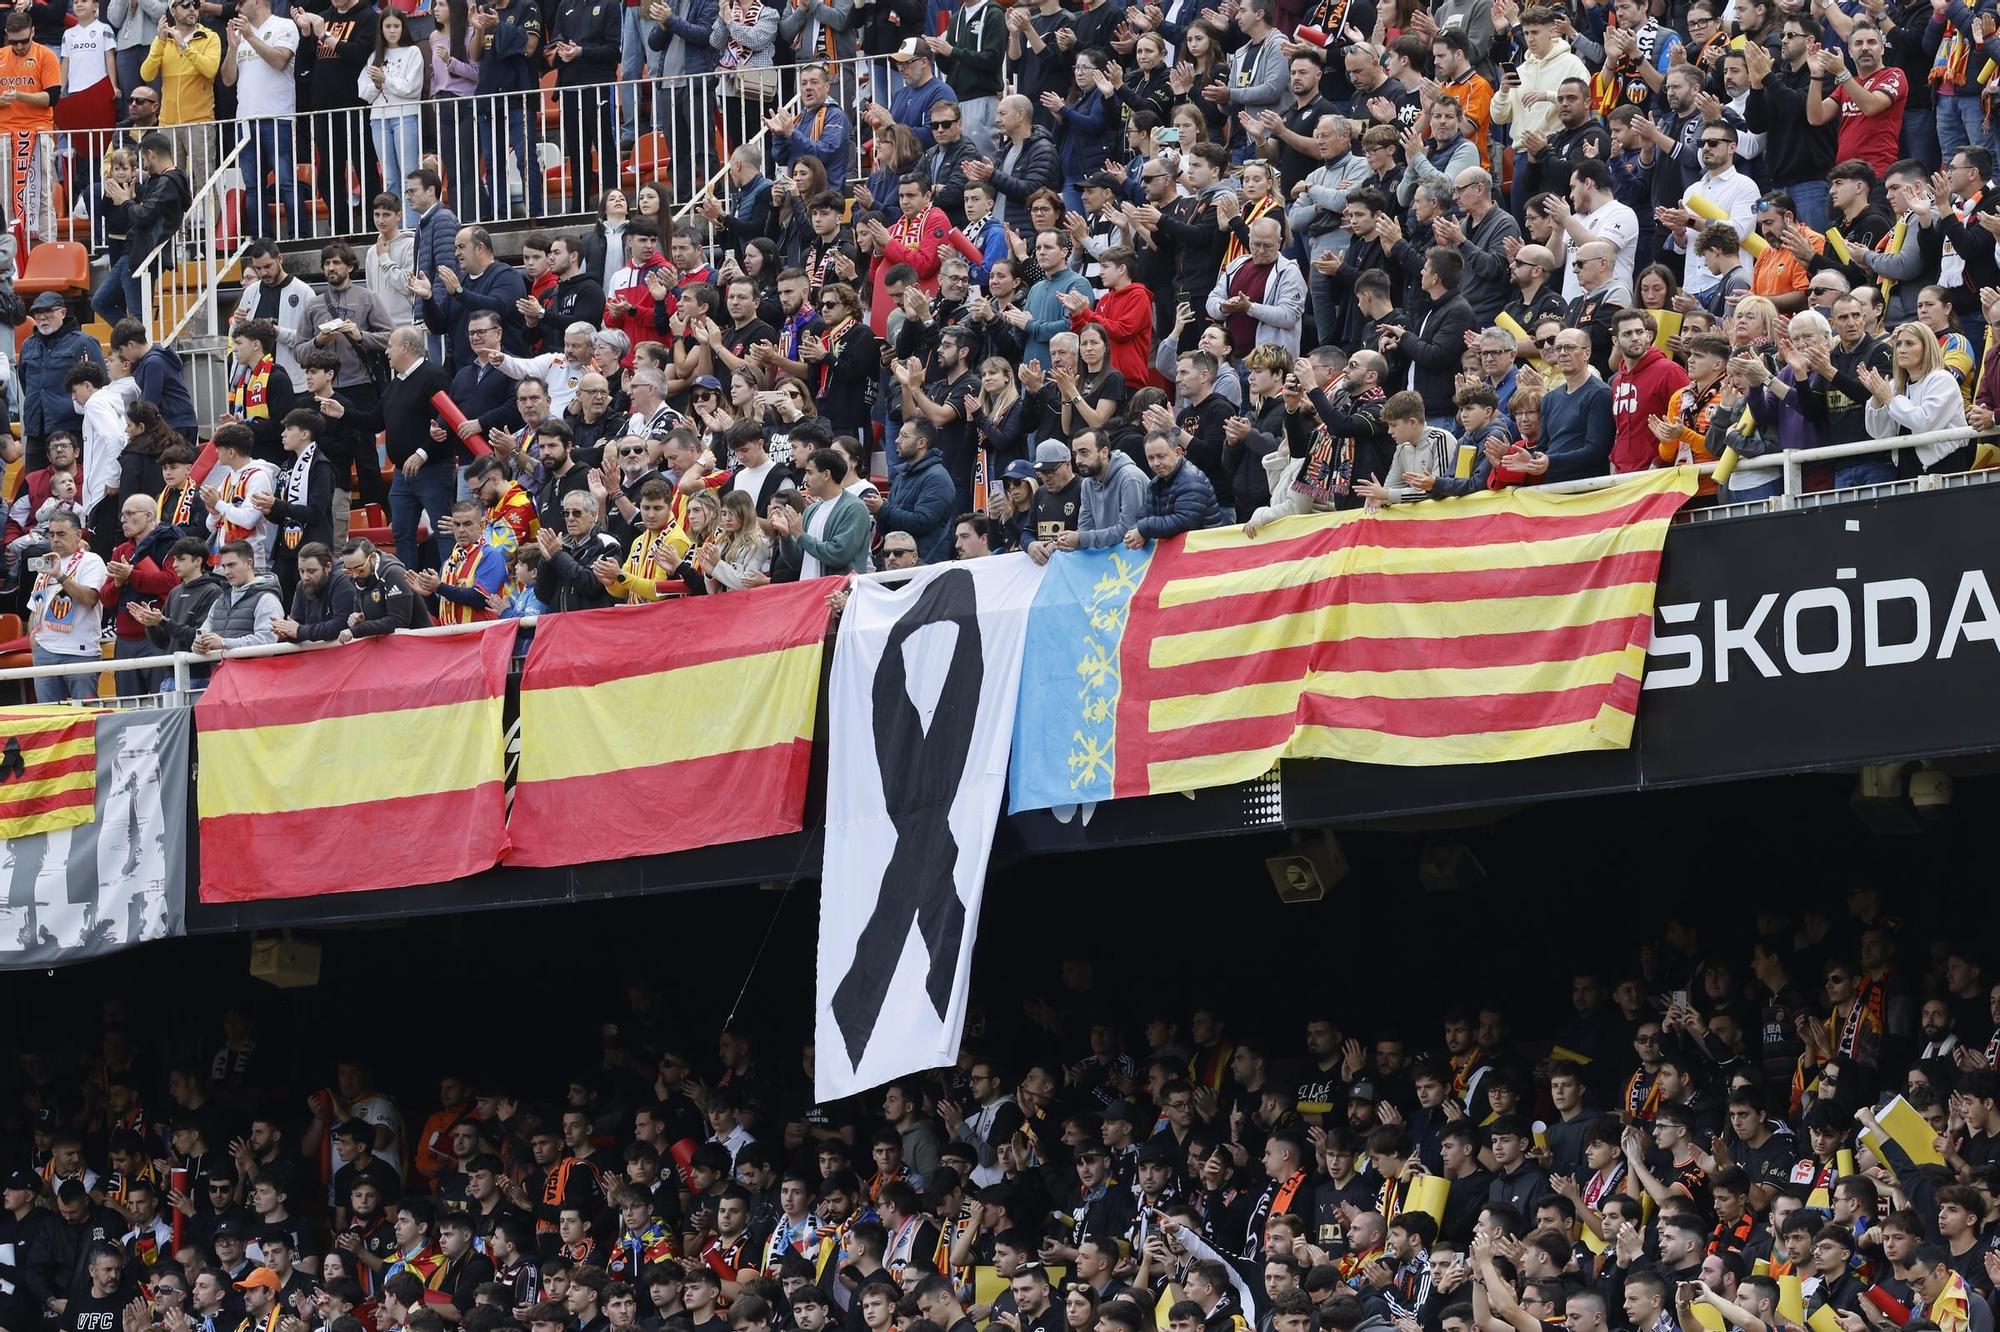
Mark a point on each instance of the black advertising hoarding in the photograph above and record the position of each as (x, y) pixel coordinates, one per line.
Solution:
(1828, 637)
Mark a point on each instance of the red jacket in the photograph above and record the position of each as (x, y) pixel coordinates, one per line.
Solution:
(638, 324)
(1127, 316)
(152, 579)
(1638, 393)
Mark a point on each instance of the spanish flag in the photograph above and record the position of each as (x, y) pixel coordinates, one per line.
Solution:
(48, 769)
(376, 765)
(657, 728)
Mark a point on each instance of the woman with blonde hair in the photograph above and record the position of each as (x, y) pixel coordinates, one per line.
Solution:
(1002, 416)
(739, 555)
(1922, 397)
(701, 523)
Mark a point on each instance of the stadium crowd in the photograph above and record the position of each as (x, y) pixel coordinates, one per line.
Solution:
(1058, 278)
(1719, 1137)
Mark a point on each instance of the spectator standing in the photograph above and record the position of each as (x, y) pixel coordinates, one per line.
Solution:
(276, 297)
(258, 53)
(1576, 416)
(1025, 159)
(1641, 391)
(159, 375)
(46, 357)
(423, 484)
(816, 129)
(172, 628)
(301, 504)
(395, 83)
(153, 213)
(480, 282)
(139, 572)
(921, 499)
(505, 37)
(831, 537)
(1865, 102)
(338, 44)
(65, 609)
(969, 55)
(248, 606)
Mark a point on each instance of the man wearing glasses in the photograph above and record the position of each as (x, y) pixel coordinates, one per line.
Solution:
(922, 92)
(1721, 185)
(1576, 415)
(32, 76)
(1603, 297)
(567, 581)
(943, 164)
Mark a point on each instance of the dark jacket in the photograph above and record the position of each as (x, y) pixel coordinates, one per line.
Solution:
(497, 289)
(45, 404)
(922, 501)
(323, 614)
(385, 603)
(1039, 164)
(437, 232)
(186, 611)
(1179, 503)
(54, 1264)
(407, 416)
(1253, 486)
(592, 25)
(162, 381)
(578, 298)
(944, 166)
(1434, 342)
(692, 21)
(312, 518)
(566, 583)
(156, 212)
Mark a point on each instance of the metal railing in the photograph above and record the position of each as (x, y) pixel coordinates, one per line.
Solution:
(182, 664)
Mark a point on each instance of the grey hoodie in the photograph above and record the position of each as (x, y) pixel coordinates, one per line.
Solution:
(242, 616)
(1112, 503)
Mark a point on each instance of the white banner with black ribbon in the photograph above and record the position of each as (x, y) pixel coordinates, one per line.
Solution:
(921, 710)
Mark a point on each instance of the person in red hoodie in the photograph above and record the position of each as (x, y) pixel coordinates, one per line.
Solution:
(1639, 391)
(139, 571)
(919, 236)
(628, 296)
(1125, 311)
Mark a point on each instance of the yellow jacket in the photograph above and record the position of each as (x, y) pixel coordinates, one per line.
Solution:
(653, 559)
(187, 77)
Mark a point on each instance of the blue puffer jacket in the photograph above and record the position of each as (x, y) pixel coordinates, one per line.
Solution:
(1180, 502)
(922, 501)
(45, 404)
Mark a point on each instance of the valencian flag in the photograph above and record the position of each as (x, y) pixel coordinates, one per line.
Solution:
(657, 728)
(376, 765)
(1500, 626)
(48, 769)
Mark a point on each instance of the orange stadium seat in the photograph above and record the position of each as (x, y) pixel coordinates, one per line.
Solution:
(62, 267)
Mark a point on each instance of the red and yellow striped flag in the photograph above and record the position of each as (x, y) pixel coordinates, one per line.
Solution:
(1429, 633)
(652, 729)
(48, 769)
(371, 766)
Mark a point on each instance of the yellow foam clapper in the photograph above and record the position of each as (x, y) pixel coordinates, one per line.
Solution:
(1818, 1199)
(1986, 72)
(1824, 1319)
(1701, 207)
(987, 1284)
(1710, 1317)
(1843, 1163)
(1666, 326)
(1791, 1300)
(1838, 244)
(1467, 456)
(1762, 1267)
(1427, 1194)
(1755, 243)
(1594, 1241)
(1563, 1051)
(1903, 1124)
(1512, 325)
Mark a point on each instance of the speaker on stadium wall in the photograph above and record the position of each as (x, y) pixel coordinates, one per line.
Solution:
(1314, 864)
(281, 960)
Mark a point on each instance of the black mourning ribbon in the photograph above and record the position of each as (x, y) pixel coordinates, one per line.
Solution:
(921, 773)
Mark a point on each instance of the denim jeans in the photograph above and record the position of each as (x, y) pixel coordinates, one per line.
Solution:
(1864, 472)
(635, 57)
(517, 145)
(1809, 199)
(1961, 121)
(119, 294)
(458, 154)
(431, 491)
(56, 688)
(397, 149)
(1920, 139)
(267, 151)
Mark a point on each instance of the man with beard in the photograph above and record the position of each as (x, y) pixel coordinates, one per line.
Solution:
(944, 402)
(732, 345)
(577, 297)
(563, 474)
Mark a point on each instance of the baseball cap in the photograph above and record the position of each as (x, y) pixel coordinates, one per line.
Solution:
(1051, 453)
(708, 382)
(230, 1229)
(1100, 180)
(1121, 1111)
(25, 1179)
(1361, 1090)
(1019, 470)
(1090, 1149)
(1156, 1153)
(262, 1278)
(911, 49)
